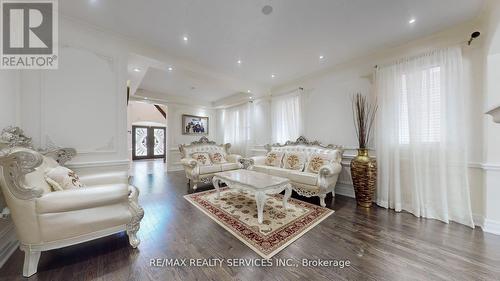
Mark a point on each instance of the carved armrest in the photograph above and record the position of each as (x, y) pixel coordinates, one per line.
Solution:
(246, 162)
(16, 163)
(328, 175)
(330, 170)
(189, 162)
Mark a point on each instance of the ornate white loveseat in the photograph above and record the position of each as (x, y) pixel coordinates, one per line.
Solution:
(197, 171)
(46, 219)
(303, 181)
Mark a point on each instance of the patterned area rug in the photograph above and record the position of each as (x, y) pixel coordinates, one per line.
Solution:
(236, 211)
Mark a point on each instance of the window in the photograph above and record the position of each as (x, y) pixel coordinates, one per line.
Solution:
(287, 117)
(421, 104)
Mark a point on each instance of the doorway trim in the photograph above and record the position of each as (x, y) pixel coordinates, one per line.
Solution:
(150, 143)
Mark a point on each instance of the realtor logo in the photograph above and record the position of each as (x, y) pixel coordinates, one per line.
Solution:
(29, 34)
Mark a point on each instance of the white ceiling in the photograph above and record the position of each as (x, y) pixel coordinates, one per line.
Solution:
(183, 83)
(287, 42)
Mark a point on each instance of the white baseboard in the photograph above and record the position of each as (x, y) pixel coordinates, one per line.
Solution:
(491, 226)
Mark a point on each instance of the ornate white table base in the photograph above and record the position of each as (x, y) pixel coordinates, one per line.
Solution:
(260, 184)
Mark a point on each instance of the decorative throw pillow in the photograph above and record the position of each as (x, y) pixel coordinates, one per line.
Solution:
(218, 157)
(274, 158)
(294, 161)
(61, 178)
(316, 160)
(202, 158)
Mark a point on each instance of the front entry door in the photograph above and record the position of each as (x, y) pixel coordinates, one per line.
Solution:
(148, 142)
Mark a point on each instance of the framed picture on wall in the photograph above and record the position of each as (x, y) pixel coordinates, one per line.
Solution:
(194, 125)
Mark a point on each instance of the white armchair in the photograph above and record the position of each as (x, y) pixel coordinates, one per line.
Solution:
(304, 183)
(46, 220)
(203, 173)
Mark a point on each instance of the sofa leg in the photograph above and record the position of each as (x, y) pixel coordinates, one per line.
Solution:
(322, 200)
(135, 223)
(133, 240)
(31, 259)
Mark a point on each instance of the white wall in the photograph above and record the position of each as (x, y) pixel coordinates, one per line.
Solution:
(9, 102)
(329, 110)
(174, 130)
(492, 130)
(83, 103)
(142, 113)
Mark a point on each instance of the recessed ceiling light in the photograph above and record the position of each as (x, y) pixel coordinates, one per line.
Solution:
(273, 75)
(170, 68)
(238, 62)
(267, 10)
(321, 57)
(412, 21)
(250, 98)
(248, 91)
(136, 69)
(185, 38)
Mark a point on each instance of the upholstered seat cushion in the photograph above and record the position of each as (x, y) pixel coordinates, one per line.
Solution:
(274, 171)
(77, 199)
(230, 166)
(295, 176)
(303, 177)
(64, 225)
(209, 169)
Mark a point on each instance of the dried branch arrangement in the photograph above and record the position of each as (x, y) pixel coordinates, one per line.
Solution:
(364, 117)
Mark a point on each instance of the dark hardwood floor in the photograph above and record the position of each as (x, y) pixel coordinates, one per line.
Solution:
(380, 245)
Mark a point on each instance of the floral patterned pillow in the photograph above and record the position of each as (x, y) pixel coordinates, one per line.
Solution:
(202, 158)
(316, 160)
(218, 157)
(294, 161)
(61, 178)
(274, 158)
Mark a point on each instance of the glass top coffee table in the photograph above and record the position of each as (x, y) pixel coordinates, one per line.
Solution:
(259, 183)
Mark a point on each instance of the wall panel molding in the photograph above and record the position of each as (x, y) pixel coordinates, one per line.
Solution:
(109, 145)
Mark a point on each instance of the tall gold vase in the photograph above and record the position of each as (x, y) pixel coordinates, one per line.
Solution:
(364, 177)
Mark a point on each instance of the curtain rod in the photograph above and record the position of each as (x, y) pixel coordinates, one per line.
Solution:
(473, 36)
(287, 92)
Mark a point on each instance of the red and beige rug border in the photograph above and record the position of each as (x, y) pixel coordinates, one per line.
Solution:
(260, 253)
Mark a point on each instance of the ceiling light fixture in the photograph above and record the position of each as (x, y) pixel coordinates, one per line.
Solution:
(145, 98)
(248, 91)
(238, 62)
(273, 75)
(170, 68)
(321, 57)
(136, 69)
(412, 21)
(185, 38)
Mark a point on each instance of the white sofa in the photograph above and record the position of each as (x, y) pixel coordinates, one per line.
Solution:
(197, 173)
(304, 183)
(46, 219)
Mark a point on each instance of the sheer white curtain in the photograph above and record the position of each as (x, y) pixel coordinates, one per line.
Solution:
(236, 122)
(287, 117)
(421, 142)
